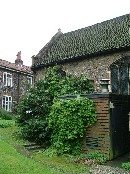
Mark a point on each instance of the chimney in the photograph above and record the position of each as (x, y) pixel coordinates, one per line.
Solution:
(18, 60)
(59, 30)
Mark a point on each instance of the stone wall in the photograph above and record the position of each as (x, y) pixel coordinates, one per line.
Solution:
(19, 86)
(95, 68)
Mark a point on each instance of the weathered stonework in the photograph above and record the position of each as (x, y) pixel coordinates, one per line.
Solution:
(19, 81)
(89, 51)
(100, 51)
(95, 68)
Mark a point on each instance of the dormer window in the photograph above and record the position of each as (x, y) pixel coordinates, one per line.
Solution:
(7, 79)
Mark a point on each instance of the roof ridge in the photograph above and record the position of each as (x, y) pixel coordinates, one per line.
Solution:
(51, 42)
(99, 23)
(108, 35)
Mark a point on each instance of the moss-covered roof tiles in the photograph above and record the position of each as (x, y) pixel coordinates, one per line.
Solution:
(109, 35)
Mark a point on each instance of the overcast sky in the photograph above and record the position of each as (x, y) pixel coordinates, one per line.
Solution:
(27, 25)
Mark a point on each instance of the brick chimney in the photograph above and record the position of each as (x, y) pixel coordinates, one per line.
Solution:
(18, 60)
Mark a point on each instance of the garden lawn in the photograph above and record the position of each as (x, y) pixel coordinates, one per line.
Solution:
(64, 164)
(12, 162)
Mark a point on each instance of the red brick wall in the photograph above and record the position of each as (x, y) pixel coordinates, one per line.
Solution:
(101, 129)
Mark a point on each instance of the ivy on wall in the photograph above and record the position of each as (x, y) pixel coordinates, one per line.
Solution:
(68, 120)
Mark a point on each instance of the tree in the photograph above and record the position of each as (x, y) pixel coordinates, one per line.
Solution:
(35, 108)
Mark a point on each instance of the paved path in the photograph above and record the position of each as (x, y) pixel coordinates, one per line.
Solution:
(101, 169)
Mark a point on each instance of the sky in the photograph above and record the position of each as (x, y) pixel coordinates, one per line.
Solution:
(27, 25)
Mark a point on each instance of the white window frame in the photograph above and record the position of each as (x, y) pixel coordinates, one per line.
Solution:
(7, 103)
(7, 79)
(109, 77)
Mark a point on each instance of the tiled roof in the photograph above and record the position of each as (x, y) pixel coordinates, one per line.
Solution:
(105, 36)
(13, 66)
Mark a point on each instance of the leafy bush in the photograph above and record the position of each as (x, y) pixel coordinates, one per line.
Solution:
(6, 123)
(36, 130)
(126, 166)
(68, 120)
(101, 158)
(76, 85)
(59, 83)
(5, 115)
(34, 109)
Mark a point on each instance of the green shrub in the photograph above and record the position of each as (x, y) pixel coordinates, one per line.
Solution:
(5, 114)
(33, 111)
(33, 131)
(6, 123)
(76, 85)
(126, 166)
(35, 108)
(68, 120)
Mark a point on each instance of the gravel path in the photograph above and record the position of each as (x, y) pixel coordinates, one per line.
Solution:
(100, 169)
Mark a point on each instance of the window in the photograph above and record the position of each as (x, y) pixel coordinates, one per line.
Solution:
(7, 103)
(29, 81)
(7, 79)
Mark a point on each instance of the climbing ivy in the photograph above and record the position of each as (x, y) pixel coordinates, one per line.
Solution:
(68, 120)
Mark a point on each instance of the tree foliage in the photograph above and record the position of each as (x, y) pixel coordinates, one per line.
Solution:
(35, 108)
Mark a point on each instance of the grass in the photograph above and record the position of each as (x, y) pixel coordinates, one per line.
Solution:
(6, 123)
(12, 162)
(63, 164)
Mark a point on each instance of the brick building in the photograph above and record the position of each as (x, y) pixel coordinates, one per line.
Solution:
(98, 51)
(15, 80)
